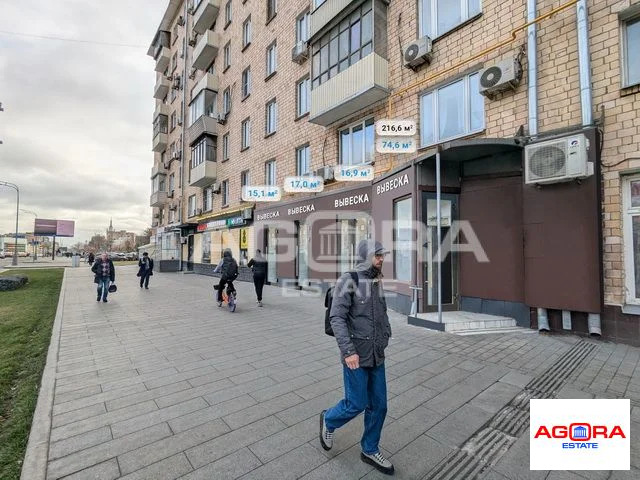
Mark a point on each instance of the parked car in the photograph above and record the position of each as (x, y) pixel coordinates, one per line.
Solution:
(2, 255)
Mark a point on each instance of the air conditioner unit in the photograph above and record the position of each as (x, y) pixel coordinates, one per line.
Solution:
(300, 52)
(559, 160)
(173, 206)
(500, 76)
(179, 120)
(418, 52)
(177, 82)
(170, 195)
(183, 239)
(180, 21)
(192, 73)
(326, 173)
(215, 188)
(193, 39)
(247, 214)
(222, 117)
(156, 215)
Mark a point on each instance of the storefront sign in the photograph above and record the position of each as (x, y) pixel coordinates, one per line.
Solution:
(235, 221)
(301, 209)
(244, 239)
(351, 200)
(212, 225)
(267, 215)
(392, 184)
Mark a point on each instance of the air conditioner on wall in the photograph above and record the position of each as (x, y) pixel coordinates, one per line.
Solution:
(183, 239)
(500, 76)
(221, 117)
(192, 73)
(215, 188)
(180, 21)
(418, 52)
(558, 160)
(193, 39)
(300, 52)
(326, 173)
(247, 214)
(176, 82)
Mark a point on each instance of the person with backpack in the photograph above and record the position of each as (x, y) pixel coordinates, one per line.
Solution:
(228, 269)
(259, 266)
(358, 320)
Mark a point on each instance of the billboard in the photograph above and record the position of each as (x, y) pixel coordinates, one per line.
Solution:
(59, 228)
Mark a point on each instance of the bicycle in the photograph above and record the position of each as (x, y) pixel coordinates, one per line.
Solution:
(229, 299)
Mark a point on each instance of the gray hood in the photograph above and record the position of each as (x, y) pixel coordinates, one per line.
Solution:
(366, 250)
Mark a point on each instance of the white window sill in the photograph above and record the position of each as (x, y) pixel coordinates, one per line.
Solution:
(631, 309)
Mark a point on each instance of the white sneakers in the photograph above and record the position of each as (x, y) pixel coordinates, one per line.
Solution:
(259, 303)
(378, 461)
(326, 437)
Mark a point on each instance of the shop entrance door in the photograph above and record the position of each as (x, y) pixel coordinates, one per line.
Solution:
(190, 253)
(352, 231)
(270, 252)
(448, 213)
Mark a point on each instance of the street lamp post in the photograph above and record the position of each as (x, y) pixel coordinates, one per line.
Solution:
(35, 239)
(15, 245)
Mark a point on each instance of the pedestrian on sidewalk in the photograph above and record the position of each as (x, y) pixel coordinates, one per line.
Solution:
(258, 265)
(228, 268)
(361, 326)
(91, 259)
(105, 274)
(145, 269)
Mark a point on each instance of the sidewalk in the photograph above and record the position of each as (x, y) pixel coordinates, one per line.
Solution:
(162, 384)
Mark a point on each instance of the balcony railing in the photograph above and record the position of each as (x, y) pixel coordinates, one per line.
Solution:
(162, 88)
(204, 174)
(203, 125)
(206, 50)
(158, 199)
(161, 109)
(205, 15)
(160, 142)
(163, 59)
(358, 87)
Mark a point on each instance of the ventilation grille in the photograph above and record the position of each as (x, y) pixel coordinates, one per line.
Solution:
(549, 161)
(491, 77)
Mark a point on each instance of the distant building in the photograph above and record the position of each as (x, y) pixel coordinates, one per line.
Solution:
(120, 239)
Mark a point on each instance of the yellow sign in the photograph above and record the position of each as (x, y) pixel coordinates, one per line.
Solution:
(244, 239)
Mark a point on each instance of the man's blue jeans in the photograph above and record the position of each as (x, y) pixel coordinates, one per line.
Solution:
(103, 287)
(365, 389)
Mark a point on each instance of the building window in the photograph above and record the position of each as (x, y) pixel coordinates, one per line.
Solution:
(192, 205)
(207, 199)
(204, 150)
(172, 216)
(343, 45)
(302, 27)
(303, 102)
(451, 111)
(225, 147)
(244, 179)
(246, 32)
(246, 82)
(437, 17)
(246, 134)
(172, 183)
(303, 160)
(317, 3)
(226, 100)
(174, 121)
(203, 104)
(357, 143)
(174, 62)
(402, 246)
(160, 125)
(271, 117)
(227, 56)
(270, 172)
(631, 43)
(272, 9)
(272, 59)
(631, 211)
(224, 189)
(227, 14)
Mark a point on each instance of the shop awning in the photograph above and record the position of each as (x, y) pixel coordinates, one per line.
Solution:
(472, 149)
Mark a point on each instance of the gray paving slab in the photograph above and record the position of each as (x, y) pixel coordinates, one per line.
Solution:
(291, 466)
(102, 471)
(230, 467)
(76, 443)
(398, 434)
(167, 469)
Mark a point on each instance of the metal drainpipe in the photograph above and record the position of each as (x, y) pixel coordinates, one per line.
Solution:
(184, 109)
(586, 101)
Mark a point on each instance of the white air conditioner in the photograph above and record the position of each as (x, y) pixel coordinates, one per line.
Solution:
(300, 52)
(176, 155)
(247, 214)
(215, 188)
(170, 195)
(221, 117)
(193, 39)
(173, 206)
(326, 173)
(176, 82)
(179, 120)
(192, 73)
(180, 21)
(418, 52)
(500, 76)
(559, 160)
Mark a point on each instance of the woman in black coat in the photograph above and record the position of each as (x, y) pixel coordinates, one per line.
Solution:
(259, 266)
(145, 269)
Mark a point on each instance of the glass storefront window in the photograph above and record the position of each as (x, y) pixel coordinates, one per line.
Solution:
(206, 247)
(402, 247)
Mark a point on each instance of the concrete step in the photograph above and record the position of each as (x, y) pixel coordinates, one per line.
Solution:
(458, 322)
(494, 331)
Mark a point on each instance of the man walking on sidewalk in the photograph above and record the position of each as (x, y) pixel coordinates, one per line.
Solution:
(105, 274)
(259, 266)
(361, 326)
(145, 269)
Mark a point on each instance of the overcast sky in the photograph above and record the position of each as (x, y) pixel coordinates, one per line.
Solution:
(76, 125)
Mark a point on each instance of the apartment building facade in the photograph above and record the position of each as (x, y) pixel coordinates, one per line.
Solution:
(302, 85)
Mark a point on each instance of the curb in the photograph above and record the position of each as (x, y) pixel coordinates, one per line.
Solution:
(34, 465)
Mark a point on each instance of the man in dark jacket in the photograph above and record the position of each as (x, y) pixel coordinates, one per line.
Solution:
(361, 327)
(228, 269)
(105, 274)
(259, 266)
(145, 269)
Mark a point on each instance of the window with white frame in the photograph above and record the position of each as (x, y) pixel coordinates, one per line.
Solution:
(343, 45)
(631, 212)
(225, 146)
(317, 3)
(224, 189)
(246, 134)
(270, 172)
(174, 121)
(246, 82)
(172, 182)
(272, 59)
(203, 104)
(226, 100)
(271, 117)
(227, 55)
(172, 216)
(302, 27)
(631, 43)
(357, 143)
(437, 17)
(204, 150)
(244, 179)
(246, 32)
(207, 199)
(303, 160)
(451, 111)
(303, 93)
(192, 205)
(227, 13)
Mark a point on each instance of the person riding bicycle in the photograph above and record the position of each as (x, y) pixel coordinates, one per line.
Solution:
(228, 269)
